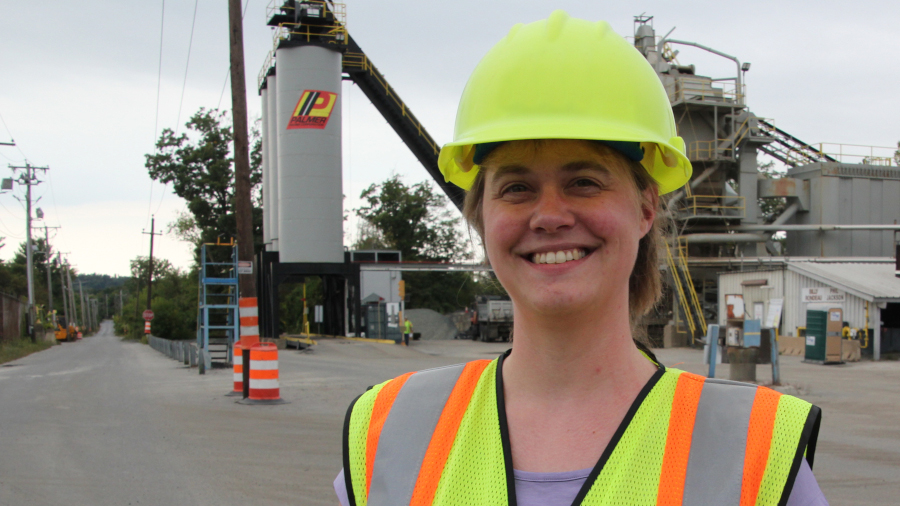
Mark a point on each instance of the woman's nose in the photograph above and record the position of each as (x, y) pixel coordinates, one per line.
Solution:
(552, 212)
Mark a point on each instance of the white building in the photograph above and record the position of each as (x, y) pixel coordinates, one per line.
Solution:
(865, 288)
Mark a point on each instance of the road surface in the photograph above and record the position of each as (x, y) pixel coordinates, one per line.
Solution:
(106, 422)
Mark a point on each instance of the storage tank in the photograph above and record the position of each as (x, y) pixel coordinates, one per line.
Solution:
(266, 196)
(310, 199)
(270, 185)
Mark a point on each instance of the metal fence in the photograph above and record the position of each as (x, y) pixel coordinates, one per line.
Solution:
(185, 352)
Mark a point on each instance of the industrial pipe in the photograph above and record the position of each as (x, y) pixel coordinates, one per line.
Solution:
(739, 91)
(693, 184)
(787, 214)
(723, 238)
(802, 228)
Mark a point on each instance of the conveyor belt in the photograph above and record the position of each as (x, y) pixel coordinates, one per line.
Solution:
(787, 148)
(361, 71)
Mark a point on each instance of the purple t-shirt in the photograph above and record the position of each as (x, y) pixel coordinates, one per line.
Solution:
(560, 489)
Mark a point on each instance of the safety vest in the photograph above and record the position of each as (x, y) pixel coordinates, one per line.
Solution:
(439, 437)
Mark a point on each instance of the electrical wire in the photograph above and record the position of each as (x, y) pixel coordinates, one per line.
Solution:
(187, 65)
(11, 139)
(162, 24)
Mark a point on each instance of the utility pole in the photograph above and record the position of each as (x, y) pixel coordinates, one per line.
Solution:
(29, 180)
(65, 295)
(151, 233)
(242, 205)
(121, 307)
(48, 255)
(71, 295)
(84, 319)
(137, 294)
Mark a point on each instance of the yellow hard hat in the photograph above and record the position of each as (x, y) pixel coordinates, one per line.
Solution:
(566, 78)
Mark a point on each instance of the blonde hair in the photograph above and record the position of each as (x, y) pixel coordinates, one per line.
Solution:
(645, 282)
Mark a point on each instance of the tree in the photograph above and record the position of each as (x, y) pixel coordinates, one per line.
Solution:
(200, 168)
(416, 221)
(413, 219)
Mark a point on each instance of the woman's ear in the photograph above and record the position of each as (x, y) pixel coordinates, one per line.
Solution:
(649, 207)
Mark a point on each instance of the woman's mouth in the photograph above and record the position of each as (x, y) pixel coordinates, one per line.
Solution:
(559, 257)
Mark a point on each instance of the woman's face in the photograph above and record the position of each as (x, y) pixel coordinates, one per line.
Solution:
(562, 223)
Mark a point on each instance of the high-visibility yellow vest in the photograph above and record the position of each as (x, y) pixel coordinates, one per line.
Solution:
(439, 437)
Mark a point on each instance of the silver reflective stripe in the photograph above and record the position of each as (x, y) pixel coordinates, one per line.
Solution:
(407, 432)
(716, 464)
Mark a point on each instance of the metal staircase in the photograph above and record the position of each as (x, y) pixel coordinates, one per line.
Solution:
(684, 285)
(217, 318)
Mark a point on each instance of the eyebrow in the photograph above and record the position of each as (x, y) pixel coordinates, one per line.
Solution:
(569, 167)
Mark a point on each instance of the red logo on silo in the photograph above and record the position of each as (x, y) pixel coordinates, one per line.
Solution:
(312, 110)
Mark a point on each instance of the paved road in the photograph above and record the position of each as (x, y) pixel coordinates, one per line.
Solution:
(106, 422)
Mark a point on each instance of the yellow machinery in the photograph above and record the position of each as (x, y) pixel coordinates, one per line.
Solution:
(64, 333)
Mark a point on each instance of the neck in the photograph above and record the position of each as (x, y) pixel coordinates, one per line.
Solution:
(560, 357)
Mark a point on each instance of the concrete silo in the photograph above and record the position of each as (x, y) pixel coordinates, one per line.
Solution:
(310, 198)
(270, 183)
(266, 195)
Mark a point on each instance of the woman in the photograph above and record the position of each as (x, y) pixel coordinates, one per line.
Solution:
(564, 141)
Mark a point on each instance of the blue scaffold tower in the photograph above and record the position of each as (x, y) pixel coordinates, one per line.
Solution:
(217, 318)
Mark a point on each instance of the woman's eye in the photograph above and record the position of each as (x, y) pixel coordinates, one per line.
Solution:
(515, 188)
(584, 183)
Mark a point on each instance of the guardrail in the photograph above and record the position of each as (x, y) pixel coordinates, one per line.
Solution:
(185, 352)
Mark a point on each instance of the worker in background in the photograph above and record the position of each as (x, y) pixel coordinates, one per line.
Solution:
(564, 142)
(407, 331)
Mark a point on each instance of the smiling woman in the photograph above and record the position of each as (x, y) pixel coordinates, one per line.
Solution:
(565, 140)
(607, 171)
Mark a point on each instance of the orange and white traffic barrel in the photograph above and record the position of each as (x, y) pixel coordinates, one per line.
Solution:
(238, 360)
(264, 372)
(263, 375)
(146, 327)
(249, 316)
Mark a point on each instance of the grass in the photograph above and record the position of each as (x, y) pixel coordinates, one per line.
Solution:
(18, 348)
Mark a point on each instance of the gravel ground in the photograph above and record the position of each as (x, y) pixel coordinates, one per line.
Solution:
(431, 324)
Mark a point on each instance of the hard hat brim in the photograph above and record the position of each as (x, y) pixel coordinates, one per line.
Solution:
(669, 178)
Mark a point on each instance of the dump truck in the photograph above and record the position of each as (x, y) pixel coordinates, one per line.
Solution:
(492, 318)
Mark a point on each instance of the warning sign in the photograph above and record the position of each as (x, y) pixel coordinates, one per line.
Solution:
(312, 110)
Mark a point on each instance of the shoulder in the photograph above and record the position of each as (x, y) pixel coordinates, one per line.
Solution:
(432, 382)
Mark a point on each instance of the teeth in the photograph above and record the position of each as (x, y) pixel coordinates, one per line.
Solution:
(558, 257)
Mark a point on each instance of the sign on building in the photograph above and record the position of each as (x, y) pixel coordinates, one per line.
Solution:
(813, 295)
(393, 314)
(773, 317)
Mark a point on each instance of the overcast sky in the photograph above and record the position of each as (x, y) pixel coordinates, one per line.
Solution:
(78, 90)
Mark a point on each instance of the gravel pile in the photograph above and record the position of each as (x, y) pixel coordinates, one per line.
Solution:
(431, 324)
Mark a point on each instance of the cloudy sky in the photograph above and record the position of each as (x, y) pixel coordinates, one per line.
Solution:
(78, 90)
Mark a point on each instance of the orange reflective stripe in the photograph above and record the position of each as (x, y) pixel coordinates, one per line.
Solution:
(445, 433)
(380, 410)
(759, 438)
(678, 441)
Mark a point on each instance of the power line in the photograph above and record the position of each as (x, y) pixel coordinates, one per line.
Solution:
(187, 65)
(11, 138)
(162, 25)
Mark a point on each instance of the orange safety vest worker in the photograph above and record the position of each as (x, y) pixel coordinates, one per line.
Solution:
(439, 437)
